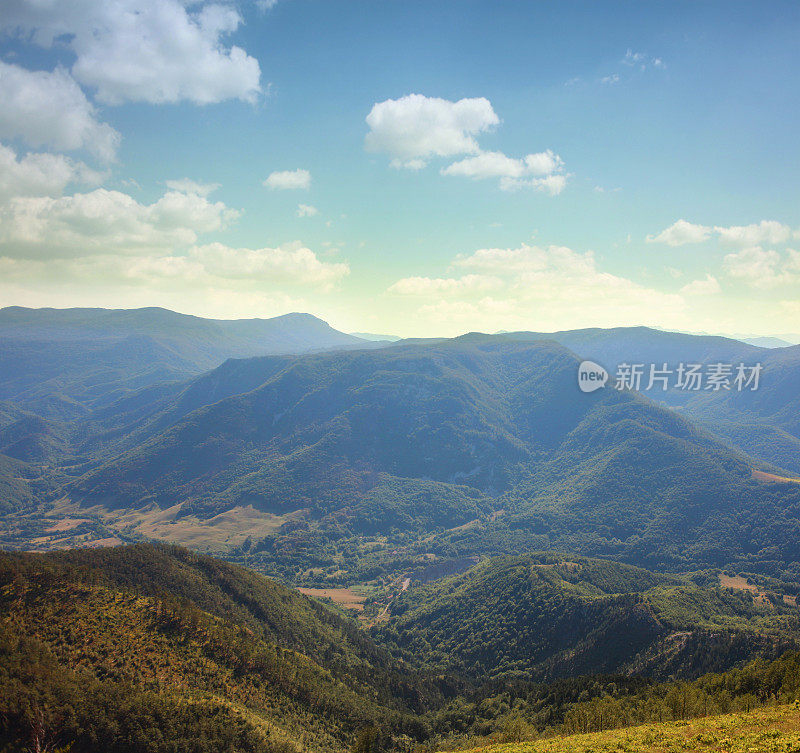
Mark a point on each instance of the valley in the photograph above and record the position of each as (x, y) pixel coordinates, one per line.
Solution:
(413, 545)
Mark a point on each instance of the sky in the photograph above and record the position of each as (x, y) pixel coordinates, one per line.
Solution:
(406, 168)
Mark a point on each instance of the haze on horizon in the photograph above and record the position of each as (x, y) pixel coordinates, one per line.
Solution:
(405, 168)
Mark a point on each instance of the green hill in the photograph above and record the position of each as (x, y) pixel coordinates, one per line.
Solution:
(153, 649)
(483, 443)
(545, 616)
(762, 423)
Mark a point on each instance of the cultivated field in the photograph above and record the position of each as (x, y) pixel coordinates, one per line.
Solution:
(344, 597)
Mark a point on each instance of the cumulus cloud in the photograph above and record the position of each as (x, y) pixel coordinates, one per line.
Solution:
(289, 180)
(50, 109)
(290, 263)
(552, 184)
(761, 268)
(680, 233)
(306, 210)
(104, 221)
(545, 167)
(215, 281)
(767, 232)
(37, 174)
(143, 50)
(707, 286)
(414, 128)
(213, 265)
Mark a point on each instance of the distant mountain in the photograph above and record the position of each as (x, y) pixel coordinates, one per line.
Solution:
(763, 424)
(768, 342)
(59, 363)
(547, 615)
(484, 442)
(376, 338)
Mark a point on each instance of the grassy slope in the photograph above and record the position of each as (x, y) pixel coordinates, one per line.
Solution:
(765, 730)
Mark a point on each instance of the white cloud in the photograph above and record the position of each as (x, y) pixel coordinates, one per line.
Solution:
(414, 128)
(211, 264)
(633, 60)
(552, 184)
(680, 233)
(289, 180)
(306, 210)
(707, 286)
(212, 280)
(411, 164)
(143, 50)
(187, 185)
(50, 109)
(41, 174)
(291, 263)
(513, 173)
(425, 286)
(767, 231)
(487, 165)
(103, 221)
(759, 268)
(537, 287)
(498, 165)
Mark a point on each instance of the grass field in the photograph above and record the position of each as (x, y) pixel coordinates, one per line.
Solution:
(765, 730)
(344, 597)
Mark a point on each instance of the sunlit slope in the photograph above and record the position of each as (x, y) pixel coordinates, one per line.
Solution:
(157, 629)
(767, 730)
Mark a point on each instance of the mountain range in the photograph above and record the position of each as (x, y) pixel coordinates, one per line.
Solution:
(383, 454)
(483, 540)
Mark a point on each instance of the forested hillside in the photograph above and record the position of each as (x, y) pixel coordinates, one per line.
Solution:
(546, 616)
(483, 442)
(762, 423)
(148, 648)
(155, 649)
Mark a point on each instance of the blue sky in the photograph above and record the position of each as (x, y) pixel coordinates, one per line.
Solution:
(437, 167)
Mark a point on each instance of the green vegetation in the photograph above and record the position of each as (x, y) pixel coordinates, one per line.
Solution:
(153, 648)
(379, 469)
(477, 445)
(768, 730)
(149, 630)
(548, 615)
